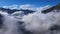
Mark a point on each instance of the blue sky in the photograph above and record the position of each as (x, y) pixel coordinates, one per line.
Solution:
(33, 2)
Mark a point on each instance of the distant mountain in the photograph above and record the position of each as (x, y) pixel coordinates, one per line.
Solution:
(10, 11)
(57, 7)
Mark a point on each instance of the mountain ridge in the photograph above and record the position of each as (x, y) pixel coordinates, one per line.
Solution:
(52, 8)
(10, 11)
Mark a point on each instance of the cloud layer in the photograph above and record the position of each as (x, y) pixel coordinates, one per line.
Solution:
(37, 23)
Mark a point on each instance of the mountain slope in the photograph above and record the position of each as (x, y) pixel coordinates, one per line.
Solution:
(57, 7)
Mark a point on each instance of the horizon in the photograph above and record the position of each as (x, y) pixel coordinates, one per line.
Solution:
(17, 4)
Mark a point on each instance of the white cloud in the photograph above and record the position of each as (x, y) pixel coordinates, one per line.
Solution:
(14, 7)
(33, 7)
(5, 6)
(40, 23)
(27, 6)
(43, 8)
(11, 7)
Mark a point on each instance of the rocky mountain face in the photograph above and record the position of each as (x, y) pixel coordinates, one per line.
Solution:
(57, 7)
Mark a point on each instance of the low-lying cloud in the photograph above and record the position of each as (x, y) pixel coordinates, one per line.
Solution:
(36, 23)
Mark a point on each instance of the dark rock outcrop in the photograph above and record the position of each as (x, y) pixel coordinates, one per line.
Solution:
(52, 8)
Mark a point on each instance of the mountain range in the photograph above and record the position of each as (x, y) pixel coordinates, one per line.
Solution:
(10, 11)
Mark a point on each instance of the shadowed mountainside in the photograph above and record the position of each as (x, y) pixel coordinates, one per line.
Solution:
(52, 8)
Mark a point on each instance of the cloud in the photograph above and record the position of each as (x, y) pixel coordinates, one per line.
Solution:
(27, 6)
(34, 7)
(11, 7)
(43, 7)
(14, 7)
(5, 6)
(40, 23)
(35, 22)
